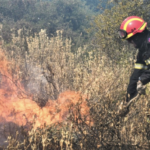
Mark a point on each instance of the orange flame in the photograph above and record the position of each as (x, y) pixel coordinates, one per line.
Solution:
(23, 111)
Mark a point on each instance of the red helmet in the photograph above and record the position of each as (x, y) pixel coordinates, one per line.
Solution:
(130, 26)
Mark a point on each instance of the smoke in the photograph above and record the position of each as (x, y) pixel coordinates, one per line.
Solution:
(36, 84)
(36, 81)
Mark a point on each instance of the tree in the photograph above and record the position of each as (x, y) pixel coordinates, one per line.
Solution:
(6, 34)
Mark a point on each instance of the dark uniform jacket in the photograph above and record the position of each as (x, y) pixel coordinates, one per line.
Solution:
(141, 69)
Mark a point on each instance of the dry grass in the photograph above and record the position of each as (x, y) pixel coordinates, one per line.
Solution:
(48, 67)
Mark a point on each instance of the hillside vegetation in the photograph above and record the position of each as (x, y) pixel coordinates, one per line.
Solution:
(71, 16)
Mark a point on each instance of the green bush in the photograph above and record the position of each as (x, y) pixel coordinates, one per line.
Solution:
(68, 15)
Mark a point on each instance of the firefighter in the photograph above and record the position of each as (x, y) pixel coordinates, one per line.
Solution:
(134, 30)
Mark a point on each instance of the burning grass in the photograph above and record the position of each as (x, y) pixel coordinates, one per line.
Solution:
(54, 99)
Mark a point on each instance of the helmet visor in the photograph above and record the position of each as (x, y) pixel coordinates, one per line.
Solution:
(122, 34)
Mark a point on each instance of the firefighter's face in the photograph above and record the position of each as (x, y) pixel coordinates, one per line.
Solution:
(136, 40)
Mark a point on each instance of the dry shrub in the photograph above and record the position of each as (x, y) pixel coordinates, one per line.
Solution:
(48, 67)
